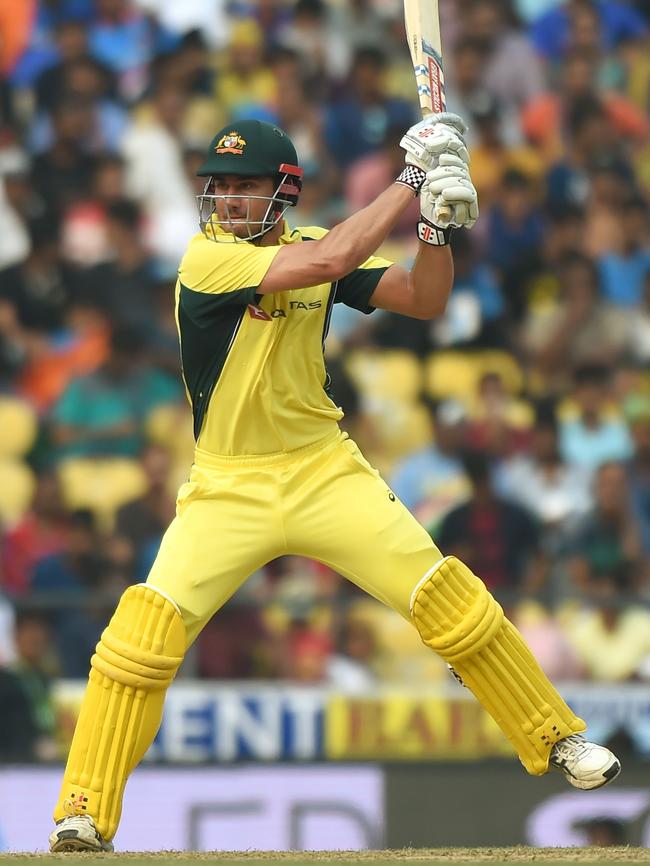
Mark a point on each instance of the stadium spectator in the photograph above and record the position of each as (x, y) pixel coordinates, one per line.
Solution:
(637, 412)
(40, 533)
(610, 637)
(592, 142)
(499, 535)
(594, 433)
(499, 423)
(62, 174)
(608, 541)
(432, 481)
(126, 40)
(572, 23)
(350, 667)
(547, 640)
(544, 118)
(245, 86)
(74, 580)
(321, 41)
(493, 158)
(555, 492)
(123, 285)
(357, 123)
(515, 223)
(576, 329)
(371, 174)
(511, 71)
(144, 520)
(103, 413)
(152, 150)
(28, 719)
(476, 307)
(625, 273)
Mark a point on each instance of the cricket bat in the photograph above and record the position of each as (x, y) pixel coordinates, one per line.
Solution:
(422, 21)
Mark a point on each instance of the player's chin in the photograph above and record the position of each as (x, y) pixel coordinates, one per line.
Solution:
(247, 229)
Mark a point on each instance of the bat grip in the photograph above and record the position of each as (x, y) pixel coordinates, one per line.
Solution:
(443, 215)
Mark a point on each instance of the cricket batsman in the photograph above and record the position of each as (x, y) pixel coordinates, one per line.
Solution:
(274, 475)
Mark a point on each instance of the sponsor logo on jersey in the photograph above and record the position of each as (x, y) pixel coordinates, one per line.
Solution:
(232, 142)
(296, 305)
(258, 313)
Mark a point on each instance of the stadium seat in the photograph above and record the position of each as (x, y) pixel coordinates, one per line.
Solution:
(18, 427)
(451, 375)
(457, 374)
(170, 425)
(402, 428)
(17, 485)
(395, 374)
(505, 365)
(102, 485)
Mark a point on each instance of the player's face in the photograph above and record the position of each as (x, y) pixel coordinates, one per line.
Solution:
(242, 203)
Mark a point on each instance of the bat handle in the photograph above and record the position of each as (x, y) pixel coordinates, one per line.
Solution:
(443, 214)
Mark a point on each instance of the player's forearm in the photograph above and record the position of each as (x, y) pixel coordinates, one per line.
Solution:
(431, 279)
(359, 236)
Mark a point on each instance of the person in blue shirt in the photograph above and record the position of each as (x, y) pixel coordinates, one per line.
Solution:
(358, 123)
(552, 33)
(624, 274)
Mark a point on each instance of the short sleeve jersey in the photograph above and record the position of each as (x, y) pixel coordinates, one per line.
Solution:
(253, 364)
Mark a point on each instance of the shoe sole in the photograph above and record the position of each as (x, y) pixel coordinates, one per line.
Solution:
(66, 845)
(74, 843)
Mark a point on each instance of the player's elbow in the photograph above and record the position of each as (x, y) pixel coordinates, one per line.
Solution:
(429, 311)
(336, 262)
(431, 307)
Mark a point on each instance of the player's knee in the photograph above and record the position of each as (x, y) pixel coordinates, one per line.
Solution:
(453, 611)
(144, 643)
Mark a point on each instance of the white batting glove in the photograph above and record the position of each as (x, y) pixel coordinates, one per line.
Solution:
(449, 187)
(436, 134)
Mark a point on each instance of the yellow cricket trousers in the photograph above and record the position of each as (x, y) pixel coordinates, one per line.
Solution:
(323, 501)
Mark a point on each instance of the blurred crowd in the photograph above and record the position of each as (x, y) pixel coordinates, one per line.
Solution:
(516, 427)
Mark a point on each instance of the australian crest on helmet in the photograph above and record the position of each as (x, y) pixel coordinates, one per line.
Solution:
(231, 142)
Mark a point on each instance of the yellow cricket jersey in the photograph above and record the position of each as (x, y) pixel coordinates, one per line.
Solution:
(253, 364)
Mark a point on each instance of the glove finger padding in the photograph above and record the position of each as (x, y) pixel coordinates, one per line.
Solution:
(450, 119)
(458, 193)
(427, 147)
(455, 160)
(437, 134)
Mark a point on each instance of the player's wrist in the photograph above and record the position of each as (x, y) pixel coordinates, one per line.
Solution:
(412, 177)
(432, 234)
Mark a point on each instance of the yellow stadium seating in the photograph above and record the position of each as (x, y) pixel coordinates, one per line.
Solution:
(451, 375)
(507, 367)
(457, 374)
(392, 374)
(170, 425)
(17, 485)
(18, 427)
(102, 485)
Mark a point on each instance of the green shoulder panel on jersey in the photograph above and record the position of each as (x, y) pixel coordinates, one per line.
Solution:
(208, 325)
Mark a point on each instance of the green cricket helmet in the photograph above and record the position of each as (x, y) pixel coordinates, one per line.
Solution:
(250, 148)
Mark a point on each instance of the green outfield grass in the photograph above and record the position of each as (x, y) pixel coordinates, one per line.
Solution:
(432, 857)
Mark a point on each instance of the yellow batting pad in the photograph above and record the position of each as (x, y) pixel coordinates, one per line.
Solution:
(136, 660)
(458, 618)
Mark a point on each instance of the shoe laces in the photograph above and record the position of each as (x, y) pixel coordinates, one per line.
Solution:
(570, 747)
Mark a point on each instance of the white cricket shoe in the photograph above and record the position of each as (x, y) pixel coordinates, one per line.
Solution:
(77, 833)
(586, 765)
